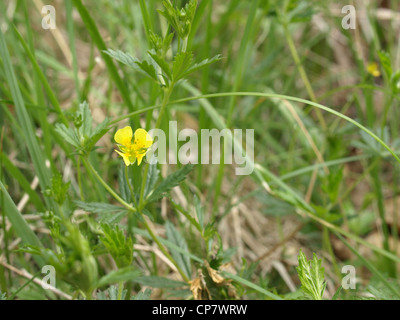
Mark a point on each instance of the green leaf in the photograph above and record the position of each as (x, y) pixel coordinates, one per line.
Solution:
(59, 188)
(99, 42)
(123, 57)
(23, 182)
(123, 184)
(181, 20)
(142, 295)
(181, 64)
(85, 116)
(110, 214)
(249, 284)
(119, 246)
(19, 224)
(83, 137)
(124, 274)
(97, 134)
(152, 176)
(112, 292)
(337, 293)
(98, 207)
(274, 206)
(23, 116)
(169, 182)
(386, 63)
(383, 279)
(202, 64)
(148, 69)
(161, 63)
(159, 282)
(311, 275)
(174, 236)
(68, 135)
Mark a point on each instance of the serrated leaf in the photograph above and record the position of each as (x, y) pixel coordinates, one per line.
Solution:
(311, 275)
(161, 63)
(142, 295)
(201, 65)
(112, 294)
(124, 274)
(123, 57)
(86, 117)
(97, 134)
(159, 282)
(181, 64)
(59, 188)
(98, 207)
(174, 236)
(386, 63)
(119, 246)
(169, 182)
(68, 134)
(148, 69)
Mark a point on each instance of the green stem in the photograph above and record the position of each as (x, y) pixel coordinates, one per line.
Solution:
(130, 187)
(143, 186)
(107, 187)
(303, 73)
(78, 170)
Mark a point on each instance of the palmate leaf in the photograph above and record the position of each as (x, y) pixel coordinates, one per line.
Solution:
(83, 137)
(311, 275)
(169, 182)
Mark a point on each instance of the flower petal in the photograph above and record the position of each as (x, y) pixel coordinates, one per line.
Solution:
(124, 136)
(128, 158)
(142, 139)
(139, 158)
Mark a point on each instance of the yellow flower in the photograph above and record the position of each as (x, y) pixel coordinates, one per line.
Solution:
(129, 151)
(373, 69)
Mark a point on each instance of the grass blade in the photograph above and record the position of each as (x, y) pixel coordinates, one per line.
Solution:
(19, 224)
(24, 119)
